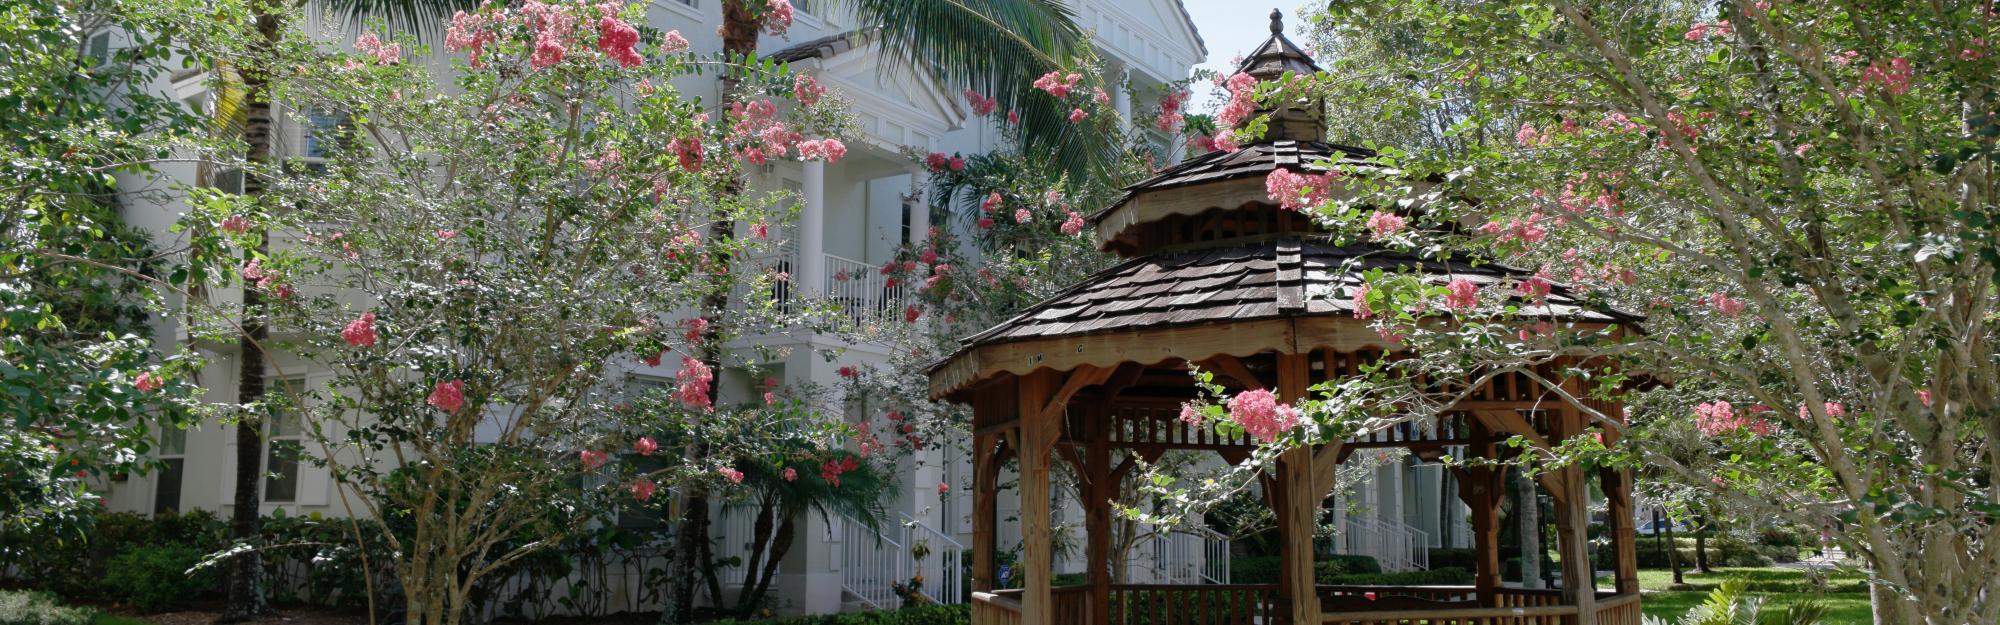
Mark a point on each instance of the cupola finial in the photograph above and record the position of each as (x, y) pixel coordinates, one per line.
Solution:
(1277, 22)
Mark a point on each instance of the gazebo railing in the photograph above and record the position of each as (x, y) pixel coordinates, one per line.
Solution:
(1261, 604)
(1203, 604)
(990, 608)
(1619, 610)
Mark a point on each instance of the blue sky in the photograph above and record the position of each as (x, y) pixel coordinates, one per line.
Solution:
(1231, 28)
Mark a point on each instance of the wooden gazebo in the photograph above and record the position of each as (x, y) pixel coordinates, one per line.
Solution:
(1218, 276)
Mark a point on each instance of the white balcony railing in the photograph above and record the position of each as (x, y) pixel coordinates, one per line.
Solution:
(864, 296)
(859, 293)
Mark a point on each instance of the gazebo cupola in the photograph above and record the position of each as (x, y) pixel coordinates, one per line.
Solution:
(1217, 276)
(1219, 197)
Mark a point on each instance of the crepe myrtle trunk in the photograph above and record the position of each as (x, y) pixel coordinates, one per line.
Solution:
(246, 571)
(690, 561)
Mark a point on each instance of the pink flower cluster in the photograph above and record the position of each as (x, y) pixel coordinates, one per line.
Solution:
(829, 150)
(386, 54)
(1242, 101)
(758, 133)
(777, 17)
(734, 476)
(1296, 191)
(1073, 225)
(470, 31)
(1702, 30)
(1358, 298)
(674, 43)
(1528, 231)
(1527, 136)
(1893, 76)
(553, 28)
(1463, 294)
(807, 90)
(360, 332)
(235, 224)
(1718, 417)
(831, 469)
(694, 379)
(617, 39)
(1171, 115)
(448, 396)
(981, 105)
(1257, 412)
(592, 459)
(1077, 115)
(1833, 409)
(645, 446)
(642, 489)
(1723, 303)
(147, 382)
(1383, 224)
(1536, 288)
(688, 150)
(1058, 84)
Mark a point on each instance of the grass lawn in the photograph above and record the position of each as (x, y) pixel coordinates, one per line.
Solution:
(1846, 599)
(107, 618)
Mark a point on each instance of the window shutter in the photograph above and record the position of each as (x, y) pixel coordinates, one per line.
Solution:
(315, 481)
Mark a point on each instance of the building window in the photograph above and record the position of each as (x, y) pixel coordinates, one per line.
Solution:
(99, 48)
(692, 4)
(652, 513)
(173, 462)
(284, 444)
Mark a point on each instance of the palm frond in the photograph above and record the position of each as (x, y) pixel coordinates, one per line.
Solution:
(422, 19)
(999, 48)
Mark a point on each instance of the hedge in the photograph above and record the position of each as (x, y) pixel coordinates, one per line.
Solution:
(917, 615)
(1264, 569)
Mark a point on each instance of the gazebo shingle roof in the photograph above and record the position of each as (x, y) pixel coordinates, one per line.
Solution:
(1255, 160)
(1249, 281)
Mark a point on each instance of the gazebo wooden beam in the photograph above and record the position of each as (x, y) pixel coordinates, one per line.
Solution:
(1510, 422)
(1302, 495)
(1232, 368)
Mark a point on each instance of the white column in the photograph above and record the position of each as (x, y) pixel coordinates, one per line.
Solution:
(811, 273)
(1121, 98)
(920, 211)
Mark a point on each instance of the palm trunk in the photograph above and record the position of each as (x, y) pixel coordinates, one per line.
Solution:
(1527, 512)
(1701, 544)
(760, 534)
(246, 572)
(739, 38)
(780, 545)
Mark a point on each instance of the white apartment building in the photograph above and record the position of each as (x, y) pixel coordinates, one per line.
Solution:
(855, 214)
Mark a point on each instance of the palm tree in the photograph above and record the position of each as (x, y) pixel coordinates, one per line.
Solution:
(998, 47)
(253, 117)
(857, 495)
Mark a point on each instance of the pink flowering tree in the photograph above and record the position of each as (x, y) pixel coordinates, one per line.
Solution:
(474, 264)
(1796, 198)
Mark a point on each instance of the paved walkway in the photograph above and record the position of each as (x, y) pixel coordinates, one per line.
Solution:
(1830, 559)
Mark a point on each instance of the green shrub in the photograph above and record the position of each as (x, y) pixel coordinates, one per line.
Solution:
(1447, 557)
(39, 608)
(919, 615)
(1447, 576)
(1264, 569)
(156, 578)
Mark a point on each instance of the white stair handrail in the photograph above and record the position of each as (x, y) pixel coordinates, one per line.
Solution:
(871, 564)
(943, 568)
